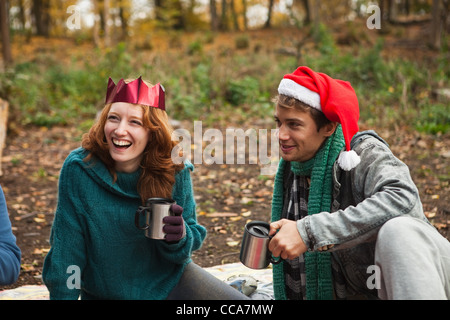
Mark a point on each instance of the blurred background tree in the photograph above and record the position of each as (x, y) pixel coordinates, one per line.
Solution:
(114, 20)
(214, 51)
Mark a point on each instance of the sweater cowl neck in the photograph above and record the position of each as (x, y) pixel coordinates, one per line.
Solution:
(126, 183)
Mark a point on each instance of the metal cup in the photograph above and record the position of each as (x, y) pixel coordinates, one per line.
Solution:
(254, 249)
(154, 212)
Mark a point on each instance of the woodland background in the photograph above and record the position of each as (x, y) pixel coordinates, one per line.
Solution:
(126, 38)
(220, 62)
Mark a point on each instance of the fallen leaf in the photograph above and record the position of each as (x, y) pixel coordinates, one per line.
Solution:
(246, 214)
(39, 203)
(41, 251)
(229, 201)
(27, 267)
(439, 225)
(430, 214)
(246, 200)
(39, 220)
(219, 229)
(221, 214)
(232, 243)
(263, 193)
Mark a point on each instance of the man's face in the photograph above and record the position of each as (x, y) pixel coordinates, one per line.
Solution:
(298, 136)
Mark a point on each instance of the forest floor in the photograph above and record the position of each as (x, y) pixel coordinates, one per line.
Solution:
(227, 195)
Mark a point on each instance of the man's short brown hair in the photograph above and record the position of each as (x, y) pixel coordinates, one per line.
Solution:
(289, 102)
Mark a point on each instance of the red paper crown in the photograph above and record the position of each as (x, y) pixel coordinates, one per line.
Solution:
(136, 92)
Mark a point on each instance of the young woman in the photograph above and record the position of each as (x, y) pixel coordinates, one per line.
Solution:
(97, 251)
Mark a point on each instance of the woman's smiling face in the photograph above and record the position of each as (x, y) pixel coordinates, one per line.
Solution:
(126, 135)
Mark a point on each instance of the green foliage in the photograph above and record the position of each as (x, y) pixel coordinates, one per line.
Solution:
(48, 92)
(324, 39)
(195, 47)
(242, 41)
(433, 118)
(206, 85)
(390, 91)
(442, 74)
(242, 91)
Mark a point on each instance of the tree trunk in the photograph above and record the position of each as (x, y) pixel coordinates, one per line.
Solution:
(96, 29)
(315, 16)
(176, 8)
(407, 7)
(107, 35)
(4, 28)
(307, 12)
(158, 10)
(244, 14)
(392, 13)
(22, 14)
(437, 24)
(123, 22)
(41, 17)
(269, 14)
(213, 13)
(223, 18)
(234, 15)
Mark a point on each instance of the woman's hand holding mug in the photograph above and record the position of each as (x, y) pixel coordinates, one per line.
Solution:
(174, 225)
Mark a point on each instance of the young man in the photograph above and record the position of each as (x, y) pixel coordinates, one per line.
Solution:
(346, 215)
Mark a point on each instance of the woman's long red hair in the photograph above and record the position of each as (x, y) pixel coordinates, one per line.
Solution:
(157, 168)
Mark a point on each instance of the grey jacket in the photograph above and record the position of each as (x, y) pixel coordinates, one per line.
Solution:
(378, 189)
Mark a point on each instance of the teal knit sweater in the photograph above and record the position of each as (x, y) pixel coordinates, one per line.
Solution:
(94, 231)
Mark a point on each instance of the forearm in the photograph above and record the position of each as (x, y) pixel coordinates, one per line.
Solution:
(181, 251)
(9, 264)
(195, 234)
(382, 189)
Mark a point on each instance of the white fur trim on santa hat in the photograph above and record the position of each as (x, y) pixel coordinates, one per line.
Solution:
(292, 89)
(348, 160)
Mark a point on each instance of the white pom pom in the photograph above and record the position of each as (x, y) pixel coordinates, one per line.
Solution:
(348, 160)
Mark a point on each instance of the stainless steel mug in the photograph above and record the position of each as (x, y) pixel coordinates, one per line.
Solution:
(254, 248)
(154, 212)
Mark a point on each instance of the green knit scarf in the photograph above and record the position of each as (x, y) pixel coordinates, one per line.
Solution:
(318, 264)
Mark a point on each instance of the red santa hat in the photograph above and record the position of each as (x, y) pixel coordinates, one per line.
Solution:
(335, 98)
